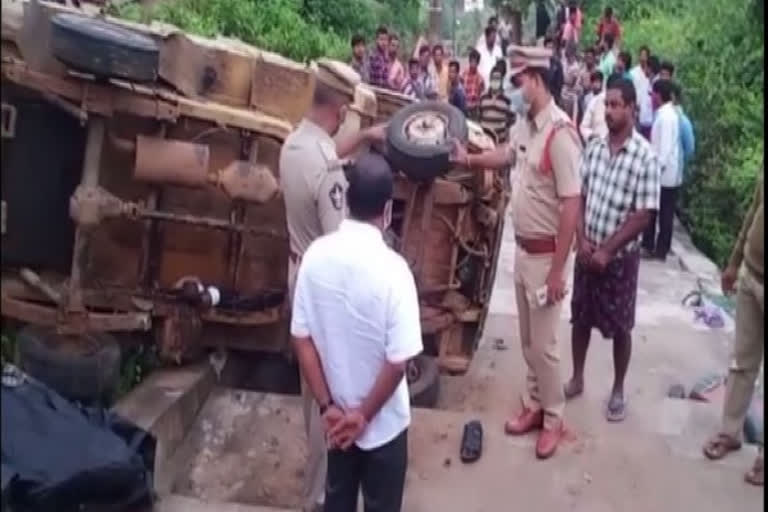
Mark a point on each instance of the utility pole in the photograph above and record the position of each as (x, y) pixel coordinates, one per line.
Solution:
(435, 21)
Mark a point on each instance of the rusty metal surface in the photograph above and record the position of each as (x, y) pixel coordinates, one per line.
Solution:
(156, 215)
(161, 161)
(45, 315)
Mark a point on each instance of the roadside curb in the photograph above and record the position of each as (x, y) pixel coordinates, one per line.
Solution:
(692, 260)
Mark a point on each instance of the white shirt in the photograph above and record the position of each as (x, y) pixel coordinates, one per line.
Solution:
(643, 92)
(665, 140)
(487, 60)
(593, 123)
(356, 298)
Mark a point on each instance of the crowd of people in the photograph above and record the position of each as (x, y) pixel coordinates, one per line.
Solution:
(597, 149)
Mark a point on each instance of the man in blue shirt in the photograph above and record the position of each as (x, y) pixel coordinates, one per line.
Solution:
(687, 138)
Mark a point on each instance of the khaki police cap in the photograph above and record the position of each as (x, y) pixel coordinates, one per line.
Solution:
(337, 75)
(525, 57)
(365, 101)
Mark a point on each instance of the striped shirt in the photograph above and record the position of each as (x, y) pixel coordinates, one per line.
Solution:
(495, 115)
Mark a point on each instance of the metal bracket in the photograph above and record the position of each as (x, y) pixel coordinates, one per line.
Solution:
(8, 126)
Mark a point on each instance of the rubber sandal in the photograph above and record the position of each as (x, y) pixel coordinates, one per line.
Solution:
(720, 446)
(755, 476)
(616, 410)
(472, 441)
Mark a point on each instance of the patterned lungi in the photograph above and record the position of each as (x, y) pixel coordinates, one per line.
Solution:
(606, 300)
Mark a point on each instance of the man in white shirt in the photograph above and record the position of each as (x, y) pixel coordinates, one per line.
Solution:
(593, 123)
(665, 140)
(490, 53)
(641, 79)
(355, 325)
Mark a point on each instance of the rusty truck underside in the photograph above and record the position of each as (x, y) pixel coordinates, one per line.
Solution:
(117, 195)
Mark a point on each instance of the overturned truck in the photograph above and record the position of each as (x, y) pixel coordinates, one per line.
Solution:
(140, 196)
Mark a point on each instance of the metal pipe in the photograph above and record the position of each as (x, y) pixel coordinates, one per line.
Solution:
(224, 225)
(90, 177)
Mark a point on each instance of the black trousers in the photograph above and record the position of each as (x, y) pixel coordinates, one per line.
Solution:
(380, 472)
(660, 245)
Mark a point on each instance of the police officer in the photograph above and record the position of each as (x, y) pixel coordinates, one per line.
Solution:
(544, 150)
(313, 186)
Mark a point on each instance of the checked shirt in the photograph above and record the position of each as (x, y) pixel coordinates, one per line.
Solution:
(617, 186)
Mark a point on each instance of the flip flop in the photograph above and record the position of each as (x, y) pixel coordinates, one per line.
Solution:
(720, 446)
(756, 476)
(616, 410)
(472, 441)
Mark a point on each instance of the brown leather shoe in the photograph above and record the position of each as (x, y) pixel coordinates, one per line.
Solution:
(526, 422)
(548, 440)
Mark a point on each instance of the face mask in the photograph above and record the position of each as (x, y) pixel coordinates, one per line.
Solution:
(495, 85)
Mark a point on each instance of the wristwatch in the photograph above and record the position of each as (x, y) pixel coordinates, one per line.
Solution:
(324, 407)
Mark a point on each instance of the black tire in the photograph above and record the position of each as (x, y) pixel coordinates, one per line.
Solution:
(425, 388)
(103, 49)
(85, 369)
(424, 161)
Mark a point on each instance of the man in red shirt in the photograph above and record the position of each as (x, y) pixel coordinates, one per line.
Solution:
(608, 24)
(473, 83)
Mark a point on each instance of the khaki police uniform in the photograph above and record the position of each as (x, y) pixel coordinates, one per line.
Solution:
(536, 196)
(314, 189)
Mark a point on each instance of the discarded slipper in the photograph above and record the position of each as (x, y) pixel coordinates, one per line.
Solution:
(472, 441)
(676, 391)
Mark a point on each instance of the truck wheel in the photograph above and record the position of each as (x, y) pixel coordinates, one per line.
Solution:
(423, 375)
(82, 368)
(420, 138)
(103, 49)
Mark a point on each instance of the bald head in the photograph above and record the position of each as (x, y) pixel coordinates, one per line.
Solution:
(370, 187)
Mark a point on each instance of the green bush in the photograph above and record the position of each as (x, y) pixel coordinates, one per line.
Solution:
(298, 29)
(717, 48)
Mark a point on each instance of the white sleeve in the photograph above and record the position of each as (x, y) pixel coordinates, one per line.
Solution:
(299, 317)
(403, 323)
(666, 141)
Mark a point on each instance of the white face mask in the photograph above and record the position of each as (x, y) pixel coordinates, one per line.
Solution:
(495, 85)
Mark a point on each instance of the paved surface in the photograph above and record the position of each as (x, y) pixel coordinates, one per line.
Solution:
(247, 447)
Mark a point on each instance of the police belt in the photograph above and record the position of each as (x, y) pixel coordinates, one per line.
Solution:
(545, 245)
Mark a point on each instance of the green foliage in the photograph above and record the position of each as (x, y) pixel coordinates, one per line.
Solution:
(136, 363)
(717, 48)
(8, 348)
(298, 29)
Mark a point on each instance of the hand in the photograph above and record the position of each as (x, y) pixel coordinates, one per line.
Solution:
(348, 429)
(459, 154)
(333, 414)
(555, 287)
(600, 259)
(376, 133)
(728, 280)
(585, 250)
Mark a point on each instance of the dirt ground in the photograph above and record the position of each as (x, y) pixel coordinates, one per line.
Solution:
(247, 447)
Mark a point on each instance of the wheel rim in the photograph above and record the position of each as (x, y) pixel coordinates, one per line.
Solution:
(412, 371)
(426, 128)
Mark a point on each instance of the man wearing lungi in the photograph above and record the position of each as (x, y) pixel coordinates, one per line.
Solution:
(620, 193)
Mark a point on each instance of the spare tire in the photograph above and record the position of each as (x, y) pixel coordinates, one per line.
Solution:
(423, 375)
(420, 138)
(103, 49)
(82, 368)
